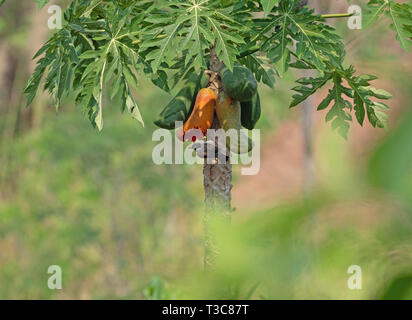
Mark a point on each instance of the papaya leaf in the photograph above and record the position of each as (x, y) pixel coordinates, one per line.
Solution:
(263, 72)
(42, 3)
(375, 9)
(105, 44)
(268, 5)
(400, 15)
(359, 91)
(308, 87)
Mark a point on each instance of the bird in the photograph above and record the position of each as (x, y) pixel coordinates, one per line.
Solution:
(211, 151)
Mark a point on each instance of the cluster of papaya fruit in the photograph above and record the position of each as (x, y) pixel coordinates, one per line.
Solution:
(236, 106)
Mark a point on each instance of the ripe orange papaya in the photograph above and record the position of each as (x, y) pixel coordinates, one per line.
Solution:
(228, 112)
(203, 112)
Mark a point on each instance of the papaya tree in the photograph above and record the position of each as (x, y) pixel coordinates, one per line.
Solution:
(104, 44)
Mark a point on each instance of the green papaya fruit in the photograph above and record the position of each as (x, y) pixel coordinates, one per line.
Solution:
(181, 106)
(240, 84)
(228, 112)
(251, 111)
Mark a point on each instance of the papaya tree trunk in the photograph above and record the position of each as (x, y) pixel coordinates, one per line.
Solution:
(217, 179)
(217, 182)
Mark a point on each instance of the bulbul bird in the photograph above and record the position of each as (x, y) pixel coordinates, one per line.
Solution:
(212, 151)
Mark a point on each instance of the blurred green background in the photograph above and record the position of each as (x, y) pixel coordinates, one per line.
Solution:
(121, 227)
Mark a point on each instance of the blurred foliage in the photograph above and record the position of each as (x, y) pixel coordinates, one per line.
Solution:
(86, 200)
(399, 288)
(121, 227)
(390, 167)
(95, 204)
(302, 249)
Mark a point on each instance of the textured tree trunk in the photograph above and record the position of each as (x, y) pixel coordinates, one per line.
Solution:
(217, 183)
